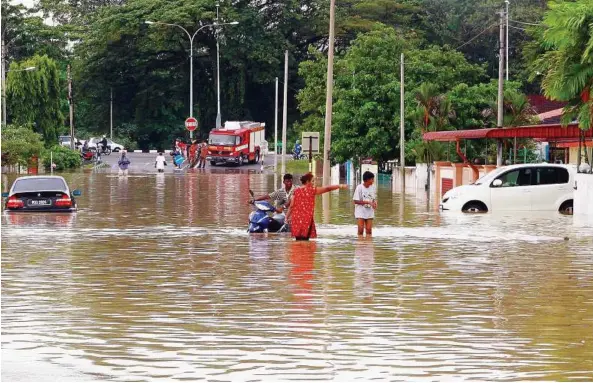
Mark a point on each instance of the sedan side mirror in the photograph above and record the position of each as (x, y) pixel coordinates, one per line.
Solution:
(497, 183)
(5, 195)
(76, 193)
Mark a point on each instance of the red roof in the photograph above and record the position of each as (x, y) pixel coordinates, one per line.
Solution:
(542, 105)
(548, 132)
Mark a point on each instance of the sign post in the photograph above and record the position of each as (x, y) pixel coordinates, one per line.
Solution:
(311, 143)
(191, 124)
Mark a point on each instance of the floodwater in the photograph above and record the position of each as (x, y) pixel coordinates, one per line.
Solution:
(155, 278)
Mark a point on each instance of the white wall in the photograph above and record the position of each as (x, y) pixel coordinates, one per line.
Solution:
(415, 178)
(583, 200)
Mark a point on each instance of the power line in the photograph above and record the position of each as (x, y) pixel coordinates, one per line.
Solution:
(476, 36)
(523, 22)
(521, 29)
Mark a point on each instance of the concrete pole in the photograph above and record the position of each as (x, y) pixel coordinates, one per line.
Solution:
(284, 112)
(276, 129)
(71, 102)
(402, 143)
(506, 45)
(191, 82)
(328, 96)
(218, 115)
(111, 115)
(500, 114)
(3, 63)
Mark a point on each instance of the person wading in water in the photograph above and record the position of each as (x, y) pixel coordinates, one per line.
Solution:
(302, 207)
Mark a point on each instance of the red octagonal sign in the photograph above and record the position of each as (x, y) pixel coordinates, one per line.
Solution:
(191, 124)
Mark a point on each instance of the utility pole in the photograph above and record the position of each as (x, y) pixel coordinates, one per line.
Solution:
(328, 96)
(500, 113)
(218, 115)
(402, 142)
(111, 115)
(3, 63)
(276, 130)
(507, 40)
(284, 111)
(71, 102)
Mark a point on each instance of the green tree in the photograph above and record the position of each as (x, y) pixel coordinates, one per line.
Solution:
(25, 34)
(367, 90)
(19, 144)
(34, 96)
(567, 64)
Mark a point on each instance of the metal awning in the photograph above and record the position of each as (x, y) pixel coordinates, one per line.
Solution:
(546, 132)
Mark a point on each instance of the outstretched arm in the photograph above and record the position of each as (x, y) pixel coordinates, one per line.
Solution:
(325, 189)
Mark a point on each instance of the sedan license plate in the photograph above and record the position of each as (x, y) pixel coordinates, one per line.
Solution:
(39, 202)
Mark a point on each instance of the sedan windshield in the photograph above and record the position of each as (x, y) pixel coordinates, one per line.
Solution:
(39, 184)
(222, 139)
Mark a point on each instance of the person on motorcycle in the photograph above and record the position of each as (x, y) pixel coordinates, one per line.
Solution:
(104, 144)
(85, 147)
(297, 150)
(280, 197)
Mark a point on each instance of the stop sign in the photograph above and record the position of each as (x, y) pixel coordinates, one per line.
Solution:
(191, 124)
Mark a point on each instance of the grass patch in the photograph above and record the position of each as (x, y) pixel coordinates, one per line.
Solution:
(295, 166)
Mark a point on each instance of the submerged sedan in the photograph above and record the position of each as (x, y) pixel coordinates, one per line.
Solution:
(41, 194)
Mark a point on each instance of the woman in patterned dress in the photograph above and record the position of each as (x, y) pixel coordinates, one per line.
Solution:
(302, 207)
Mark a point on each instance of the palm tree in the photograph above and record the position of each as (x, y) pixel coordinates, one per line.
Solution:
(434, 113)
(567, 65)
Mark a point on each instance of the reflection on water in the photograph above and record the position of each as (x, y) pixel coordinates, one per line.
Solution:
(155, 277)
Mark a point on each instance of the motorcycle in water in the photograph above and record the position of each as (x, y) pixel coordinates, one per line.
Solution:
(264, 219)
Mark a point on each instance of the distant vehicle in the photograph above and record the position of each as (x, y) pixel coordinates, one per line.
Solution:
(41, 194)
(112, 145)
(238, 142)
(65, 141)
(525, 187)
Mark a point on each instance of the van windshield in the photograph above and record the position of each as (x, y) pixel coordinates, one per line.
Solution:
(223, 139)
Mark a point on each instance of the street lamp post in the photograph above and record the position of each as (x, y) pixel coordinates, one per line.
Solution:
(191, 58)
(4, 86)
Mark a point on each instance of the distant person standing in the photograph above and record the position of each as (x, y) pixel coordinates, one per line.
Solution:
(123, 164)
(365, 204)
(203, 154)
(263, 146)
(160, 163)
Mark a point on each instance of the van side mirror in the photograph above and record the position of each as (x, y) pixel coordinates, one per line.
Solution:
(76, 193)
(497, 183)
(5, 195)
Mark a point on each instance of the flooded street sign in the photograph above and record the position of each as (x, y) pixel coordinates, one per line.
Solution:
(155, 276)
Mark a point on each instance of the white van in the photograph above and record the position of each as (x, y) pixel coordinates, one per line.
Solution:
(516, 188)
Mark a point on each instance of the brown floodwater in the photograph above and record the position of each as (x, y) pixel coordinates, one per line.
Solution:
(156, 278)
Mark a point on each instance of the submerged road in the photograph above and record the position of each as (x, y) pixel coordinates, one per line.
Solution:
(155, 278)
(144, 163)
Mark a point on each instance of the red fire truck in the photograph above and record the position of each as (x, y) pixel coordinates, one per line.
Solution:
(237, 142)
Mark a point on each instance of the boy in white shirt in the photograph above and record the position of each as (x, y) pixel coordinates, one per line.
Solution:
(365, 203)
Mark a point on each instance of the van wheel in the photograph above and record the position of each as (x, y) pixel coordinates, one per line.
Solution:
(566, 207)
(474, 207)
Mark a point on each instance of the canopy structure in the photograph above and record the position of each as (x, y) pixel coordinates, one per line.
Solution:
(546, 132)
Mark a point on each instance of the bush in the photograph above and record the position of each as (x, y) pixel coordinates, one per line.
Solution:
(63, 157)
(19, 144)
(127, 142)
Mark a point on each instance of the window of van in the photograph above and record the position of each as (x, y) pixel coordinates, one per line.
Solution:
(551, 175)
